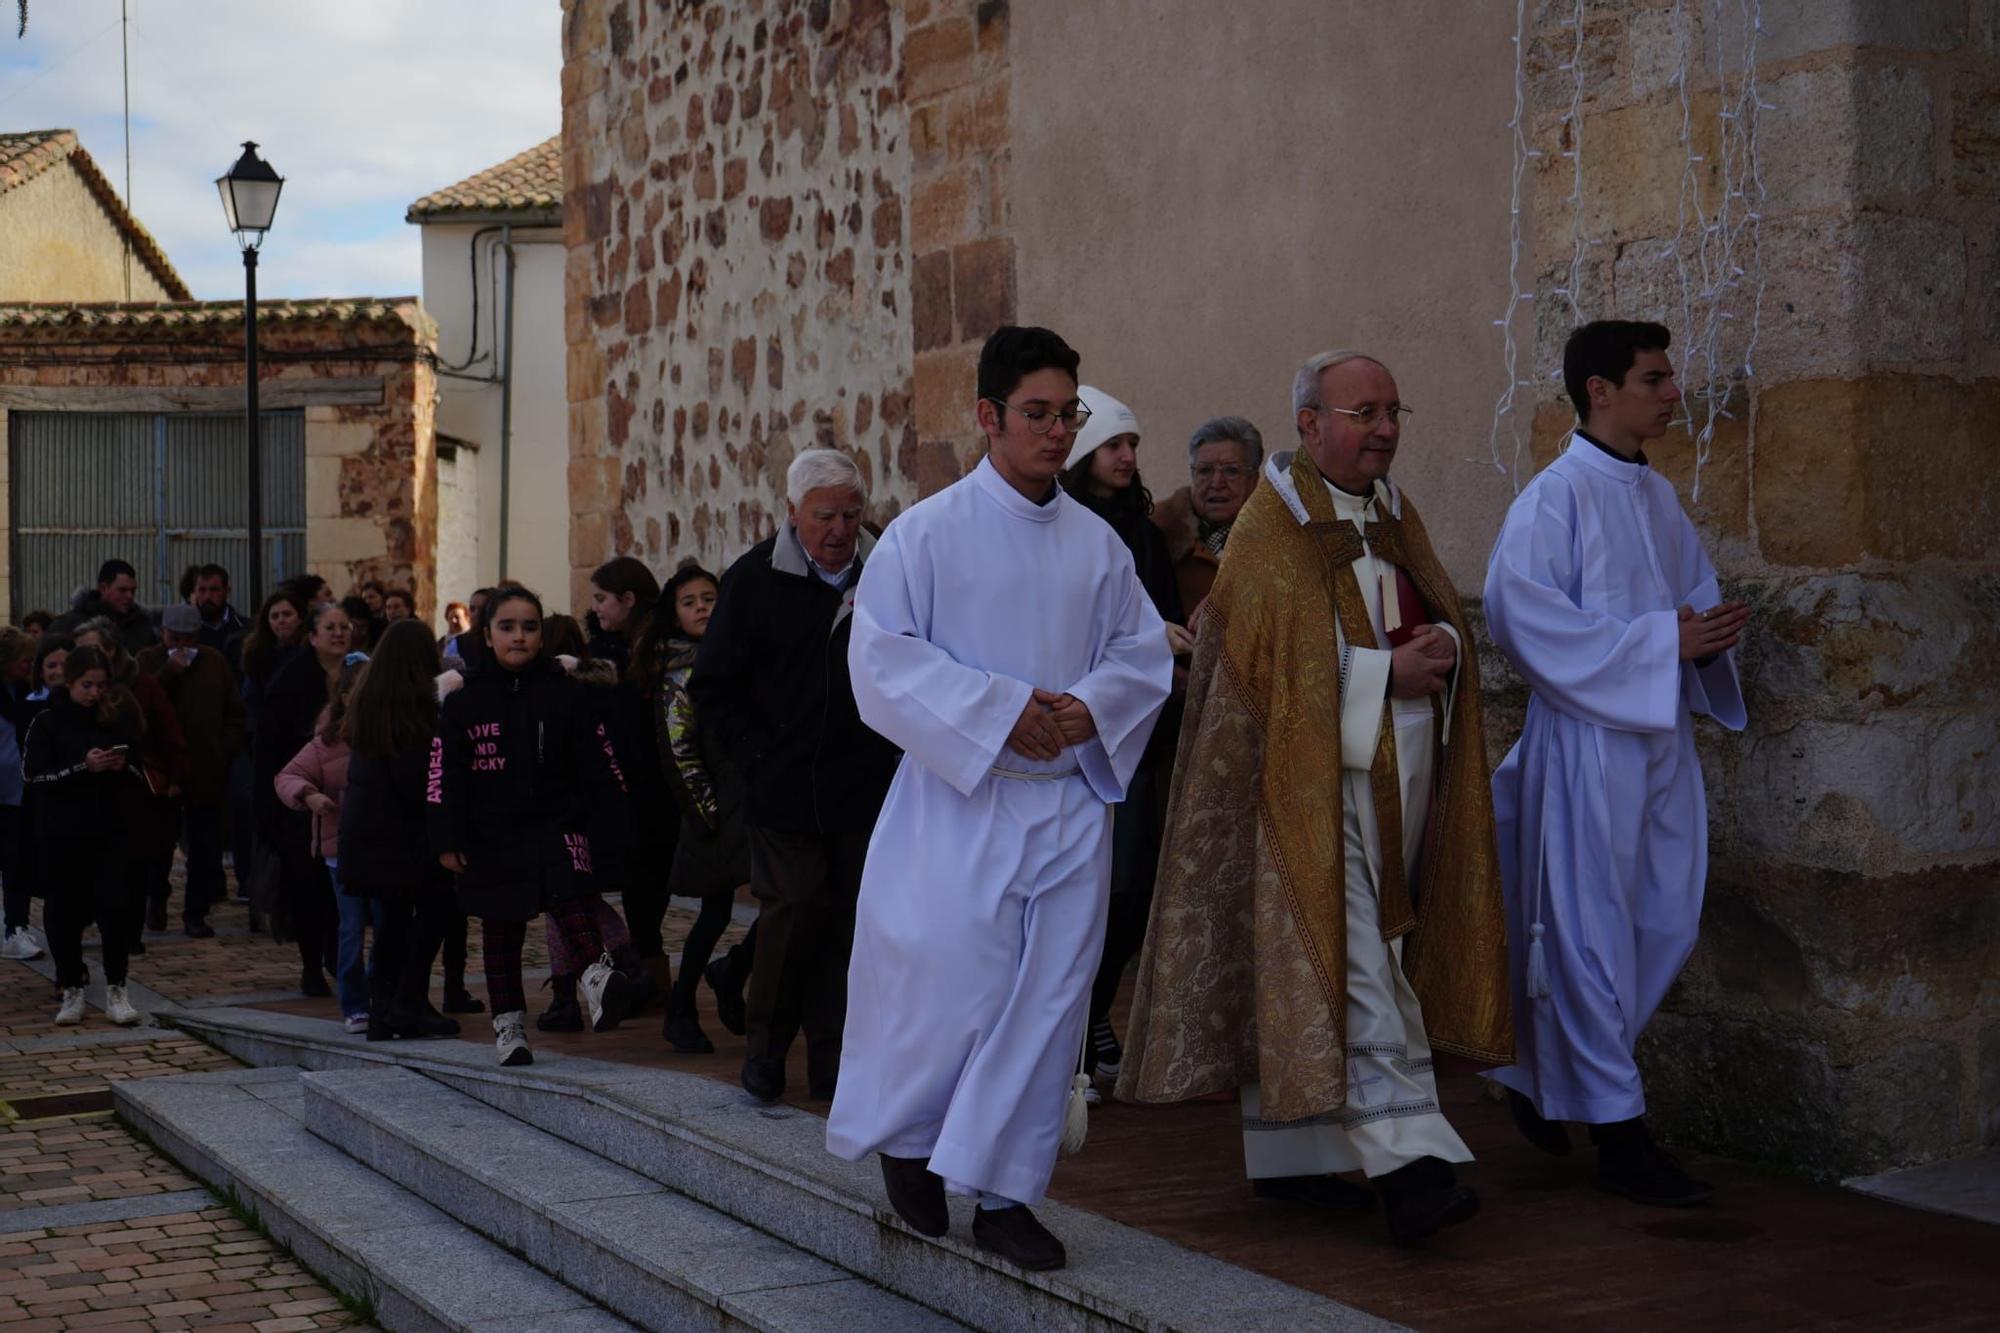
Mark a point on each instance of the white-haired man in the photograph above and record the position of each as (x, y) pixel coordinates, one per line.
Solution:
(1319, 928)
(771, 687)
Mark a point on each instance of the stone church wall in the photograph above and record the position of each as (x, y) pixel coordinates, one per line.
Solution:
(736, 179)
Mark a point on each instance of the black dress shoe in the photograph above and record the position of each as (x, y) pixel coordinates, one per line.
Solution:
(1548, 1135)
(728, 988)
(418, 1020)
(313, 984)
(1320, 1191)
(564, 1014)
(1631, 1164)
(199, 930)
(916, 1194)
(462, 1001)
(683, 1032)
(1424, 1198)
(1015, 1235)
(764, 1077)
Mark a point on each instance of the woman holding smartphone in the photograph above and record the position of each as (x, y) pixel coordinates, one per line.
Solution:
(75, 760)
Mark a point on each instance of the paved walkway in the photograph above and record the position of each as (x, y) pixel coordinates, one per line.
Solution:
(97, 1230)
(1549, 1250)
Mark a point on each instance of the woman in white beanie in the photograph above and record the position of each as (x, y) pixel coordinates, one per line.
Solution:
(1102, 473)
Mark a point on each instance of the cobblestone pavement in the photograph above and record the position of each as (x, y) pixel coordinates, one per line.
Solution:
(97, 1230)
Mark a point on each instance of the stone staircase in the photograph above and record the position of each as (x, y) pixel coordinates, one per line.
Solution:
(593, 1194)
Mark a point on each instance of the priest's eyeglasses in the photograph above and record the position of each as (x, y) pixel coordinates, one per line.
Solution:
(1368, 418)
(1041, 420)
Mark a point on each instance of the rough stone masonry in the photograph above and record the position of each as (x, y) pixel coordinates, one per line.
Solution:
(791, 221)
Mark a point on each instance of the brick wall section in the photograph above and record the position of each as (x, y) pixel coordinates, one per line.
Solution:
(957, 82)
(371, 468)
(736, 179)
(1840, 1013)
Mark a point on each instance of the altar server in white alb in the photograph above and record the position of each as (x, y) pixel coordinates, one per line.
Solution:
(1601, 596)
(1002, 639)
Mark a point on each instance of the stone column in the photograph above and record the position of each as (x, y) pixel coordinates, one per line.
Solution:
(1842, 1013)
(956, 79)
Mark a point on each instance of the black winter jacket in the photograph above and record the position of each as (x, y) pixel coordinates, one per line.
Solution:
(771, 686)
(385, 849)
(69, 800)
(293, 701)
(523, 783)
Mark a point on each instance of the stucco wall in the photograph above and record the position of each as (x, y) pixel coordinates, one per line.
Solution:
(60, 246)
(734, 178)
(1199, 205)
(538, 540)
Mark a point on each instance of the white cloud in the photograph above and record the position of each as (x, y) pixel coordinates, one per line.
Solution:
(362, 105)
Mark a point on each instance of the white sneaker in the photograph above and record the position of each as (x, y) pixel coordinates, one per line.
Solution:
(357, 1023)
(72, 1006)
(119, 1009)
(608, 993)
(510, 1038)
(20, 945)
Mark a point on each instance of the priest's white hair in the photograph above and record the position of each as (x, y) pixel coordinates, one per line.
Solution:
(1305, 384)
(823, 469)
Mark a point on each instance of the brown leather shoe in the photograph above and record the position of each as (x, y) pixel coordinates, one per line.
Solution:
(1016, 1236)
(916, 1194)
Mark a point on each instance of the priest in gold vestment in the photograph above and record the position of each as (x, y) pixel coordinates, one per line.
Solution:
(1328, 917)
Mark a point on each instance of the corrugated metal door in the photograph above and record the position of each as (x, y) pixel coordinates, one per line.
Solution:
(163, 491)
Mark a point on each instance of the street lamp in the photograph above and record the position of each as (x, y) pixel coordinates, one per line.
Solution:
(250, 200)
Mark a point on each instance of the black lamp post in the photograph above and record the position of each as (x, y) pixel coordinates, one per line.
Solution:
(250, 200)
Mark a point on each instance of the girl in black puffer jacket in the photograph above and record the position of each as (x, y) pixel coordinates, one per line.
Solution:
(523, 789)
(75, 761)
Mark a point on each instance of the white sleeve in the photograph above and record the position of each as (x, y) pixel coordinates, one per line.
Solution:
(951, 718)
(1124, 691)
(1623, 675)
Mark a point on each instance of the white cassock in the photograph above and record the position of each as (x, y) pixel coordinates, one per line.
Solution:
(982, 907)
(1602, 823)
(1391, 1116)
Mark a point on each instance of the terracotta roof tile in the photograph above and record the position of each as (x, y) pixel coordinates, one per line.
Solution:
(170, 316)
(27, 154)
(526, 182)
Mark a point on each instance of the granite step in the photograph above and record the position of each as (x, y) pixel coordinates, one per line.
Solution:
(766, 1166)
(658, 1258)
(240, 1130)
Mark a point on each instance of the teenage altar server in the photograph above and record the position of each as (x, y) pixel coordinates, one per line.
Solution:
(1600, 594)
(1002, 639)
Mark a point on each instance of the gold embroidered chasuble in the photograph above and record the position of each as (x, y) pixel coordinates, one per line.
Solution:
(1243, 978)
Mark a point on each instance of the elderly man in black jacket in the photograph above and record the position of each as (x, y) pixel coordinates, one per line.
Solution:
(770, 685)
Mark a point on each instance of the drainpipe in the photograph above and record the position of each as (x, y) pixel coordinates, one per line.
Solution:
(506, 394)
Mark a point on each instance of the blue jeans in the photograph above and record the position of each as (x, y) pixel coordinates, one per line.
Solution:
(356, 916)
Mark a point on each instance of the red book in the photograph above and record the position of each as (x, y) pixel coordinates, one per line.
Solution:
(1410, 606)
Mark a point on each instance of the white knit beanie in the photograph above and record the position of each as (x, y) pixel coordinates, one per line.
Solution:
(1109, 418)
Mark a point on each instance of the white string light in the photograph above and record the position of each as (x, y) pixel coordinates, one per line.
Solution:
(1716, 248)
(1510, 351)
(1716, 294)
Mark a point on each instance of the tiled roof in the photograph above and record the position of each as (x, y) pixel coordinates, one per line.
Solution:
(26, 155)
(168, 316)
(529, 182)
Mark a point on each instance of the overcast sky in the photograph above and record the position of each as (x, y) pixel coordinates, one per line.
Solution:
(362, 105)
